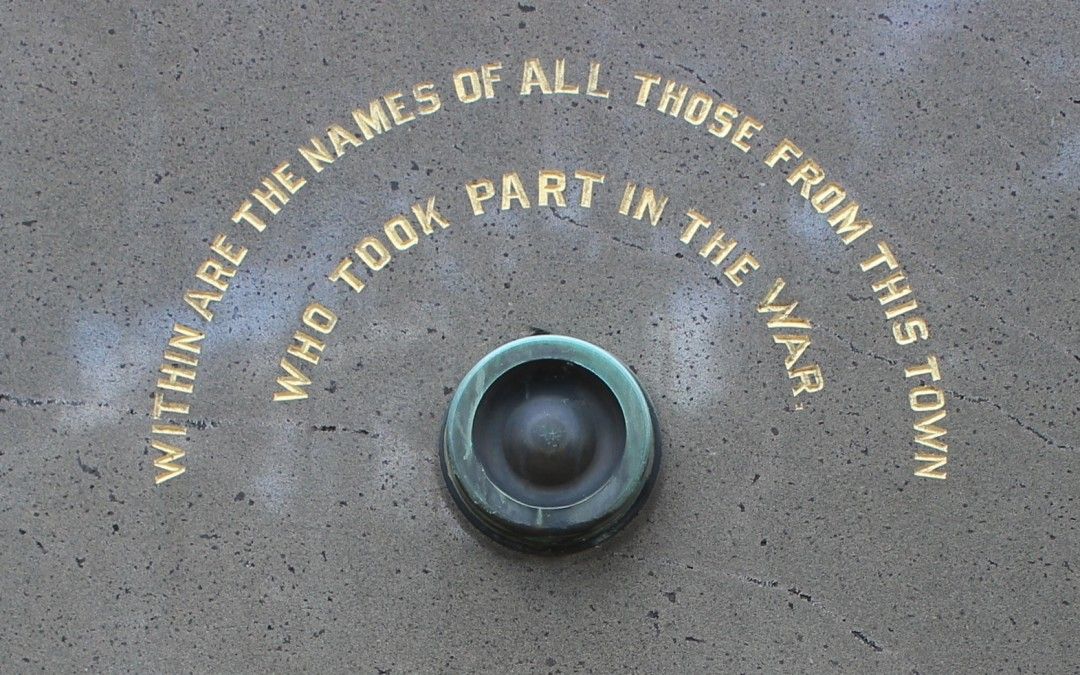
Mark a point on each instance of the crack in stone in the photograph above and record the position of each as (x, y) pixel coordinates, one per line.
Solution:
(771, 584)
(565, 218)
(691, 71)
(333, 428)
(29, 402)
(974, 399)
(879, 357)
(627, 243)
(201, 425)
(570, 220)
(1043, 437)
(764, 583)
(86, 468)
(867, 641)
(802, 596)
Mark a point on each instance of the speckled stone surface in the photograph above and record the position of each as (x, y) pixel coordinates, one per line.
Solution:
(318, 535)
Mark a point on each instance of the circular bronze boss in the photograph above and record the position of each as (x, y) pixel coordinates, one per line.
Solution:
(549, 444)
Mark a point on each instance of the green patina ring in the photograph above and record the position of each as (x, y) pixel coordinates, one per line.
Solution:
(536, 528)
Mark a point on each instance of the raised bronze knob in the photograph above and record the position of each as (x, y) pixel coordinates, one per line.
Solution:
(549, 444)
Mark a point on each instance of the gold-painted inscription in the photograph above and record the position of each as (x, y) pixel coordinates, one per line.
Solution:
(794, 334)
(511, 189)
(305, 347)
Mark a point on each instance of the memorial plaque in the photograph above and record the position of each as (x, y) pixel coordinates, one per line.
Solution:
(540, 337)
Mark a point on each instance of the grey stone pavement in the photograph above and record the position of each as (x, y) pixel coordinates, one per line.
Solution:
(786, 534)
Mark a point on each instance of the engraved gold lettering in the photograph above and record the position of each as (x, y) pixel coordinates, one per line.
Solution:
(167, 464)
(900, 310)
(305, 347)
(845, 224)
(719, 243)
(480, 191)
(215, 274)
(424, 93)
(742, 266)
(796, 345)
(781, 313)
(183, 359)
(929, 432)
(292, 383)
(627, 199)
(810, 380)
(696, 221)
(374, 122)
(200, 301)
(885, 256)
(552, 183)
(489, 75)
(233, 254)
(723, 119)
(397, 108)
(894, 285)
(697, 108)
(319, 318)
(593, 86)
(828, 198)
(933, 463)
(467, 85)
(648, 202)
(168, 430)
(342, 273)
(785, 151)
(268, 196)
(672, 98)
(428, 214)
(186, 339)
(244, 213)
(919, 402)
(910, 330)
(647, 81)
(317, 156)
(746, 129)
(161, 406)
(588, 180)
(533, 76)
(561, 87)
(173, 376)
(400, 232)
(809, 173)
(373, 253)
(340, 138)
(513, 189)
(929, 368)
(291, 182)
